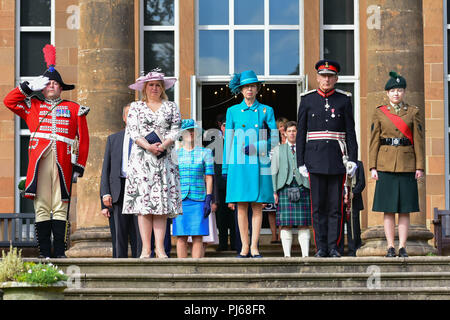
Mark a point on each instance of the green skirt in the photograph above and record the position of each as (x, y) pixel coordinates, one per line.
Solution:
(396, 192)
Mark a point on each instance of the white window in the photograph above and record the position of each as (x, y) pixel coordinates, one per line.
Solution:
(159, 39)
(265, 36)
(339, 41)
(35, 21)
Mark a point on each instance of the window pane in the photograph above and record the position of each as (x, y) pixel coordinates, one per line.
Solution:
(213, 12)
(339, 46)
(35, 13)
(448, 11)
(284, 52)
(448, 52)
(24, 140)
(158, 12)
(284, 12)
(249, 51)
(249, 12)
(213, 52)
(31, 58)
(349, 87)
(159, 51)
(338, 11)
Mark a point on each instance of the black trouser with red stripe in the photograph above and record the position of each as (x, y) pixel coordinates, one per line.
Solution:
(327, 209)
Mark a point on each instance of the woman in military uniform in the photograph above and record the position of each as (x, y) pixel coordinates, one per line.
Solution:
(246, 161)
(396, 161)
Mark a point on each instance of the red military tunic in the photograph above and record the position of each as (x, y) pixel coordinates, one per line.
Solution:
(52, 124)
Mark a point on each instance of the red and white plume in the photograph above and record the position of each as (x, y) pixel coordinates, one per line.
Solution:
(50, 56)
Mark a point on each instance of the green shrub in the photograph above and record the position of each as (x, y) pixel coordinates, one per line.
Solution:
(11, 264)
(42, 274)
(12, 268)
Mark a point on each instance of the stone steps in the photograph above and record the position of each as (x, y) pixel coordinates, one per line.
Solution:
(394, 293)
(265, 280)
(254, 266)
(268, 278)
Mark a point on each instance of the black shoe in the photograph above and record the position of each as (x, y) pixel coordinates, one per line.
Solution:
(402, 253)
(321, 254)
(218, 249)
(43, 233)
(59, 238)
(334, 253)
(391, 253)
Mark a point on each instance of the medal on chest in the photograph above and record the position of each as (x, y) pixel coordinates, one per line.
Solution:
(332, 113)
(326, 104)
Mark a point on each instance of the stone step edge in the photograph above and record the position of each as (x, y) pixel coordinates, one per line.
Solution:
(260, 276)
(249, 261)
(255, 291)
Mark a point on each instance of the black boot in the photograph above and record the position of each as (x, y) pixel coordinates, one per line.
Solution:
(59, 238)
(43, 231)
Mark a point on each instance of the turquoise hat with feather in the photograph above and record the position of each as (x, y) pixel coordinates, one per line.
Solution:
(241, 79)
(395, 81)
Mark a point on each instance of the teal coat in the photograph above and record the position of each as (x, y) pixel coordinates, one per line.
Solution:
(248, 177)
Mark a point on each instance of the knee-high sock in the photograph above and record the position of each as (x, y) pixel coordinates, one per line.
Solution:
(303, 239)
(286, 241)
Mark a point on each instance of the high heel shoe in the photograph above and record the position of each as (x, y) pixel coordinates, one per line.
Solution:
(158, 255)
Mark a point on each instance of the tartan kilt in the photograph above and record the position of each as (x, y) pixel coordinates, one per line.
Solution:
(293, 213)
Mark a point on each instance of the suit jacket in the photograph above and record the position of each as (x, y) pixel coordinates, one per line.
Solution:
(112, 167)
(325, 156)
(397, 158)
(284, 168)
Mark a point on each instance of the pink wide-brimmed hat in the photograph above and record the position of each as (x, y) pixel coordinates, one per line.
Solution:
(154, 75)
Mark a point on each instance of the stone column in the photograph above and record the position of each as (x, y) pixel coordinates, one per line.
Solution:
(397, 44)
(105, 69)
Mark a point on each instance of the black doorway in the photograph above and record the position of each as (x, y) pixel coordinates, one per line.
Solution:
(217, 98)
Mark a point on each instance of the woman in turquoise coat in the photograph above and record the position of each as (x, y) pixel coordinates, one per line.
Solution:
(246, 161)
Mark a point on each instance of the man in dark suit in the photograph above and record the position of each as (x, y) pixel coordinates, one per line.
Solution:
(224, 215)
(326, 133)
(112, 191)
(354, 237)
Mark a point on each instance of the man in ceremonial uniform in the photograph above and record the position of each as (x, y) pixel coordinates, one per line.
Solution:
(57, 152)
(327, 152)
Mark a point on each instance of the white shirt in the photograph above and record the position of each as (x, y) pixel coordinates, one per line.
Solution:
(126, 143)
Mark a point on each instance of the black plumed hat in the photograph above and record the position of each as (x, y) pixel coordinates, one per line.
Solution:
(51, 73)
(395, 81)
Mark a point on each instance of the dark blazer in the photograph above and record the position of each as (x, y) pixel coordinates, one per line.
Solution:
(325, 156)
(112, 167)
(359, 187)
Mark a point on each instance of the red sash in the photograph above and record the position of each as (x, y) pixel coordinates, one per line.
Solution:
(398, 123)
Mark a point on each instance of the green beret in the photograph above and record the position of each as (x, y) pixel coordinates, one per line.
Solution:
(396, 81)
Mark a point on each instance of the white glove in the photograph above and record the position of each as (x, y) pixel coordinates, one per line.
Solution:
(351, 168)
(303, 171)
(75, 176)
(38, 84)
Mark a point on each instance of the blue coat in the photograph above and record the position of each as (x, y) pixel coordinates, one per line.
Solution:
(248, 176)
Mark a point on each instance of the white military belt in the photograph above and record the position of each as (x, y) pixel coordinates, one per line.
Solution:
(325, 135)
(53, 137)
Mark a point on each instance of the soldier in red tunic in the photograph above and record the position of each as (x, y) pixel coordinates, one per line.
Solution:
(57, 152)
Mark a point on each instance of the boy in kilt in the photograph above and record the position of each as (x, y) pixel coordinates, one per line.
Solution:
(291, 193)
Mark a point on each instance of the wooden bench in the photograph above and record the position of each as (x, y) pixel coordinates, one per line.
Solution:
(441, 224)
(17, 229)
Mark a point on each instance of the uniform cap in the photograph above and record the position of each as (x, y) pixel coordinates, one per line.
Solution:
(327, 67)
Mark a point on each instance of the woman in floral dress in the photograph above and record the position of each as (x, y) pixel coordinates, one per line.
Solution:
(152, 187)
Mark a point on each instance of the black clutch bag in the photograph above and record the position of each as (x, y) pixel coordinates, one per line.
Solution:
(154, 138)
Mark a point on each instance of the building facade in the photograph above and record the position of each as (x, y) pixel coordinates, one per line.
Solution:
(104, 45)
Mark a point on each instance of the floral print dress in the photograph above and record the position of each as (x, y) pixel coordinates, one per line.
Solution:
(152, 185)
